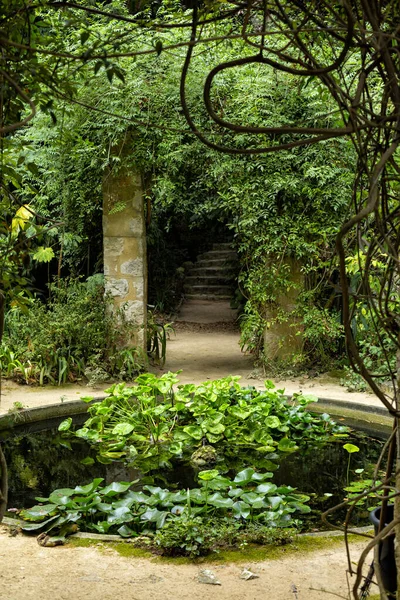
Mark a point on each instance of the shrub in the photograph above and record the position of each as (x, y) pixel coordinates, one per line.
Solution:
(72, 335)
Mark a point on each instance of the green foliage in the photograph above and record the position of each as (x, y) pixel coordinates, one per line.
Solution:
(157, 336)
(377, 347)
(117, 508)
(197, 536)
(277, 207)
(149, 424)
(186, 537)
(47, 342)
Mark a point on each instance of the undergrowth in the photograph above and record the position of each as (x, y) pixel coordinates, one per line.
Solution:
(72, 336)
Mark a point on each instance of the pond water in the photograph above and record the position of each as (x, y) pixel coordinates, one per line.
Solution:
(41, 461)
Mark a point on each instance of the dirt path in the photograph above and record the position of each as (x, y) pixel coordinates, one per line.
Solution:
(30, 572)
(210, 354)
(201, 354)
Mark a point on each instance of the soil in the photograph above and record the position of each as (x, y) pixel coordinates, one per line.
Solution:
(31, 572)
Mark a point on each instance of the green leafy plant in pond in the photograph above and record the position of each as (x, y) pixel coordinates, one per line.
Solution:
(350, 449)
(150, 423)
(118, 508)
(365, 481)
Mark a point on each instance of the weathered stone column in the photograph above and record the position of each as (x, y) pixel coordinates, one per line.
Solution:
(282, 340)
(124, 235)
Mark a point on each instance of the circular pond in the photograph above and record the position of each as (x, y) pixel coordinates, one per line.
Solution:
(41, 459)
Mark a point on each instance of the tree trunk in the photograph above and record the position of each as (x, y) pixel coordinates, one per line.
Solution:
(397, 478)
(3, 485)
(3, 464)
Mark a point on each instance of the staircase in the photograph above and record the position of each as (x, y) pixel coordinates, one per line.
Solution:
(209, 285)
(212, 276)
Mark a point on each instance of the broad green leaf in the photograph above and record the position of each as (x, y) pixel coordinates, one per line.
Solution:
(197, 495)
(123, 429)
(38, 526)
(65, 425)
(262, 436)
(194, 431)
(43, 254)
(250, 497)
(272, 422)
(269, 385)
(213, 427)
(261, 476)
(122, 514)
(127, 501)
(175, 447)
(116, 487)
(90, 487)
(265, 449)
(274, 501)
(126, 532)
(235, 492)
(266, 488)
(208, 475)
(239, 412)
(241, 510)
(37, 513)
(87, 461)
(87, 399)
(303, 508)
(219, 502)
(286, 445)
(244, 476)
(219, 483)
(139, 497)
(213, 438)
(351, 448)
(178, 509)
(151, 514)
(101, 526)
(105, 507)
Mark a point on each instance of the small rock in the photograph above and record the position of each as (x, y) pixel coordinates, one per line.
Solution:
(48, 541)
(205, 455)
(207, 576)
(247, 575)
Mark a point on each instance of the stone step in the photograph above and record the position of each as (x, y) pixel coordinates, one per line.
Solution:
(220, 263)
(221, 254)
(225, 273)
(217, 290)
(218, 278)
(212, 297)
(222, 246)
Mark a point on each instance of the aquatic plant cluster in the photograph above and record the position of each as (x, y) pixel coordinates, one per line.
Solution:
(117, 508)
(151, 426)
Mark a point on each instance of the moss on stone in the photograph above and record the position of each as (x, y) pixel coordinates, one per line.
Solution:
(300, 546)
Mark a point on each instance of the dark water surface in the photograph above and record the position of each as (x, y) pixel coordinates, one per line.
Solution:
(40, 460)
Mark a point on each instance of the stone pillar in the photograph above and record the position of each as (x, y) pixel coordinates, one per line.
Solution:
(281, 339)
(124, 236)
